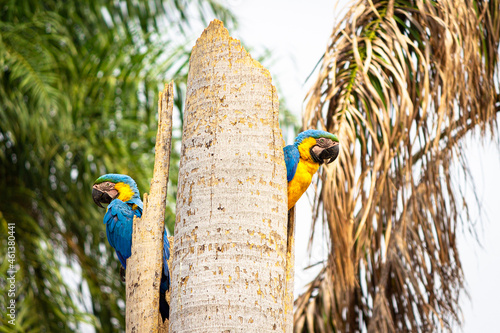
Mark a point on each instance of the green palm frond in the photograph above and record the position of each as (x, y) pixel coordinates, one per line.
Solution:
(78, 96)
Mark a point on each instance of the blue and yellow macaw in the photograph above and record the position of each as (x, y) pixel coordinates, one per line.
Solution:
(122, 195)
(311, 149)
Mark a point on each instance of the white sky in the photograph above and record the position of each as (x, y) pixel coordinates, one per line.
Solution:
(297, 33)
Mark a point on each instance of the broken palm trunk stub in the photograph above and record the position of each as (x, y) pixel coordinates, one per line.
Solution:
(230, 235)
(144, 266)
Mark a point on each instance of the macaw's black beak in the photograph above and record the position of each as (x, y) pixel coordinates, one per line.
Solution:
(100, 197)
(329, 154)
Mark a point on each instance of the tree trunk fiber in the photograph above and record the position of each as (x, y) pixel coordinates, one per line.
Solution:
(230, 233)
(289, 269)
(144, 267)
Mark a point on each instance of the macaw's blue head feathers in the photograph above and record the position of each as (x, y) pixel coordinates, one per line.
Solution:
(115, 186)
(323, 147)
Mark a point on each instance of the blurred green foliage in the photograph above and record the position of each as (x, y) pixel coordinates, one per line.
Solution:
(79, 82)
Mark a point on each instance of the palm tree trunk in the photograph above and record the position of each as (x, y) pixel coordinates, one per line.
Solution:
(230, 232)
(289, 270)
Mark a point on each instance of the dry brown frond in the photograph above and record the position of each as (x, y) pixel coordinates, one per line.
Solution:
(401, 84)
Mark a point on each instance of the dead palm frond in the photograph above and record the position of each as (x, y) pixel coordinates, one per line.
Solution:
(401, 83)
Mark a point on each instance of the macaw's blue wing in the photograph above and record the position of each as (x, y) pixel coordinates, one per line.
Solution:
(292, 157)
(119, 219)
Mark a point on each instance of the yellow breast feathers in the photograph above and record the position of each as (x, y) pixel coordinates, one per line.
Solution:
(306, 168)
(125, 193)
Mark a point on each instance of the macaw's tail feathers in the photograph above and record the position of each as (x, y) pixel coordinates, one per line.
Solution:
(164, 307)
(164, 287)
(164, 284)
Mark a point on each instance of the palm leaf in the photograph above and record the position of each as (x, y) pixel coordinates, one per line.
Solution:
(402, 83)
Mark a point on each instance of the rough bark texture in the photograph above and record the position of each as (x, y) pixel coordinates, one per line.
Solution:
(230, 232)
(145, 264)
(290, 266)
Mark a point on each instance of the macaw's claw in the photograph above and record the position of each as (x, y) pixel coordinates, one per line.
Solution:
(122, 273)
